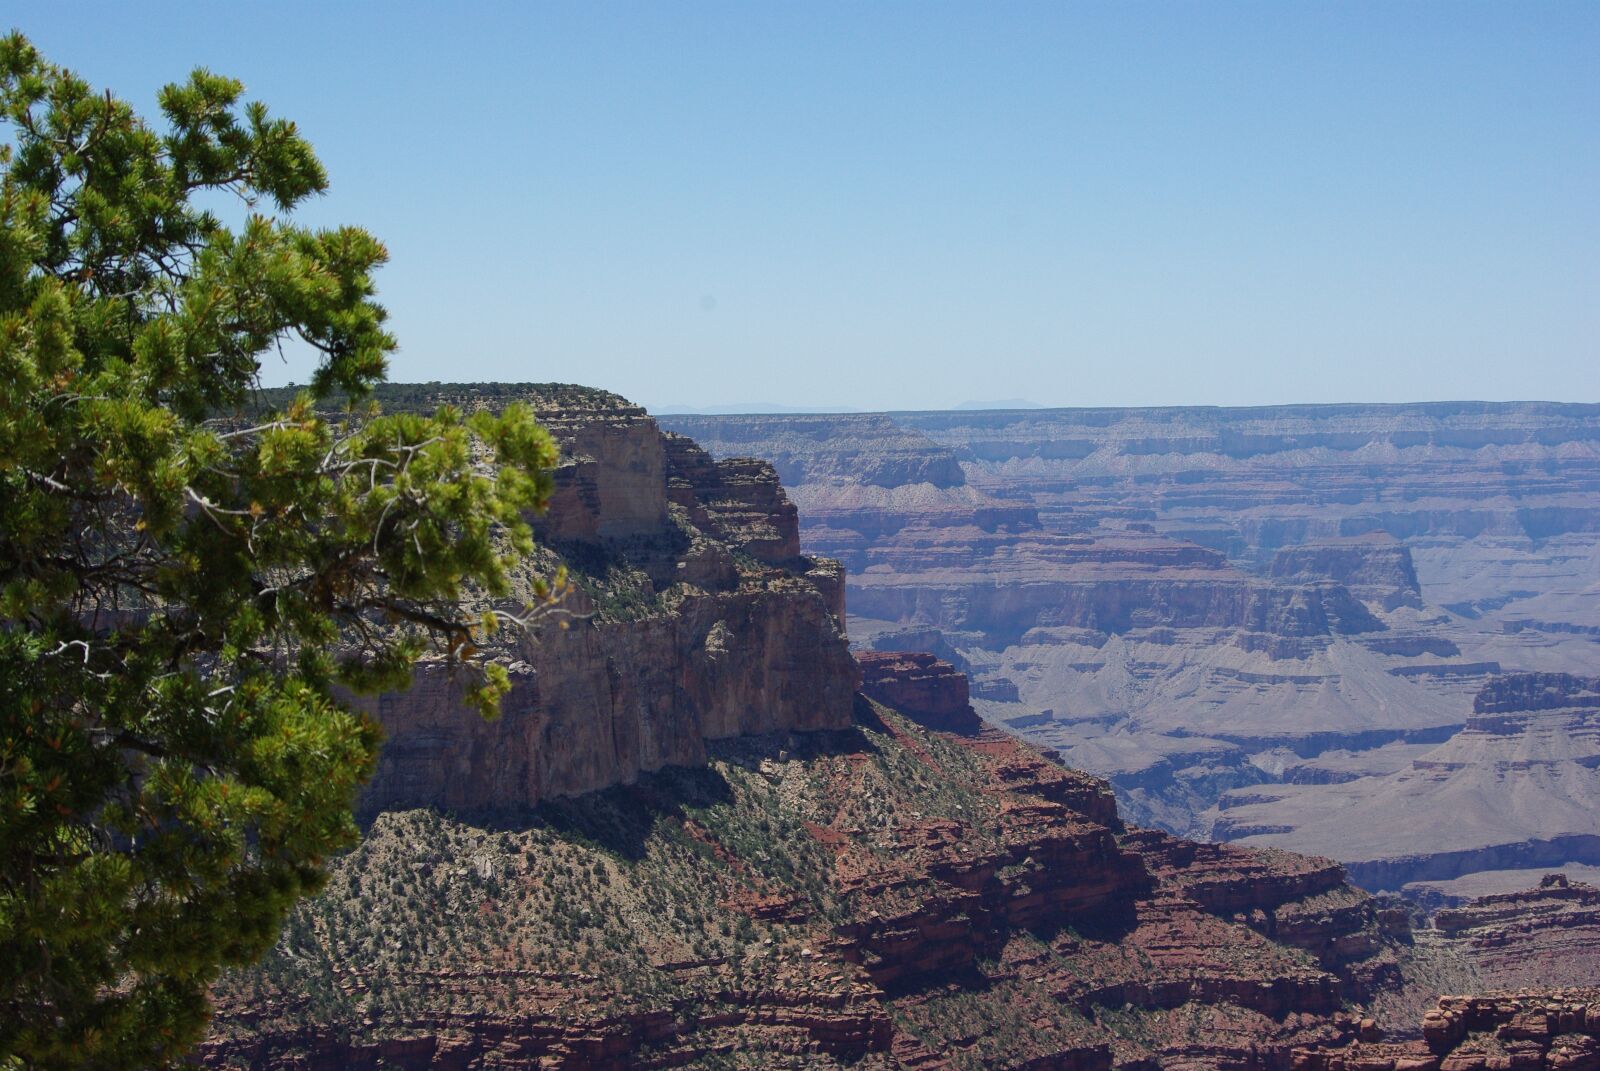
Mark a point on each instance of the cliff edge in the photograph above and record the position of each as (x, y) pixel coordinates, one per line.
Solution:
(695, 618)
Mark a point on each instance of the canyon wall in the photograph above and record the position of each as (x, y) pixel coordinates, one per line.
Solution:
(1515, 788)
(688, 844)
(1545, 934)
(1530, 957)
(1224, 610)
(694, 618)
(1540, 1030)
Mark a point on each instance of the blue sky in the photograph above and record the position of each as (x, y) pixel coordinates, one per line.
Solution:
(913, 205)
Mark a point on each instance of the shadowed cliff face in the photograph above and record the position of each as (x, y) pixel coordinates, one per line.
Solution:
(921, 685)
(1247, 606)
(696, 619)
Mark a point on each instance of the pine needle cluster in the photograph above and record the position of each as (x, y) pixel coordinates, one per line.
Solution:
(193, 583)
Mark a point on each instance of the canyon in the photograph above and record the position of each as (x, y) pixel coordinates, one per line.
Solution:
(693, 617)
(883, 896)
(1245, 619)
(1516, 788)
(706, 833)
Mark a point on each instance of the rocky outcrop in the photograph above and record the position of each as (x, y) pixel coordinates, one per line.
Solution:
(860, 479)
(1528, 692)
(695, 618)
(920, 685)
(1295, 900)
(1375, 567)
(1548, 934)
(612, 481)
(737, 502)
(1555, 1029)
(1555, 897)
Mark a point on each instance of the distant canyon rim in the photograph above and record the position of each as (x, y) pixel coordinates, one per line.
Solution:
(1293, 626)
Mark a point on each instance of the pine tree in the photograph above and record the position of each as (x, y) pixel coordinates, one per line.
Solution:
(190, 582)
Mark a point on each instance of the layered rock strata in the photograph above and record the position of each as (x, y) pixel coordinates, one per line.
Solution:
(1374, 567)
(1547, 935)
(1194, 602)
(737, 864)
(1518, 787)
(1252, 480)
(883, 897)
(1554, 1029)
(695, 618)
(920, 685)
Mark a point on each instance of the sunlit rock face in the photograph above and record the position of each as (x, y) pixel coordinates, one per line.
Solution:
(690, 841)
(695, 618)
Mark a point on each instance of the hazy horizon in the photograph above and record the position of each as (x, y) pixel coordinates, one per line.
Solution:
(758, 408)
(898, 207)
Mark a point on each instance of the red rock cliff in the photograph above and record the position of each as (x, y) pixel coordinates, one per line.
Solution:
(697, 619)
(921, 685)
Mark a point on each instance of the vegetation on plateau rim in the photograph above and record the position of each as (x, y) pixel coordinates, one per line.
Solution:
(190, 580)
